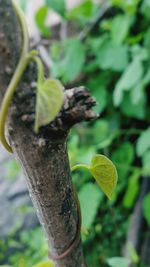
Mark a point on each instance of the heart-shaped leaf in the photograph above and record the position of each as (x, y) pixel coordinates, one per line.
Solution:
(50, 98)
(105, 174)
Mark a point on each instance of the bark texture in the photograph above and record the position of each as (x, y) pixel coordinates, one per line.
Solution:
(43, 157)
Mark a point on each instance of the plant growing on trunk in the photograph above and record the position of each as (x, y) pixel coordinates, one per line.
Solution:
(42, 151)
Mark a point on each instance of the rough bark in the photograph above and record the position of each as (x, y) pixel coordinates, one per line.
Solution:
(43, 157)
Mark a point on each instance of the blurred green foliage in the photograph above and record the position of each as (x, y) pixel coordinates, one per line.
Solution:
(113, 61)
(118, 262)
(26, 249)
(12, 169)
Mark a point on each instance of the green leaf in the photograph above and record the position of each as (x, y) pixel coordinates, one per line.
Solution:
(132, 190)
(98, 90)
(124, 154)
(40, 18)
(113, 57)
(143, 143)
(106, 137)
(145, 8)
(137, 93)
(57, 5)
(83, 11)
(100, 126)
(146, 163)
(128, 6)
(118, 262)
(105, 174)
(45, 264)
(50, 99)
(121, 24)
(146, 205)
(123, 158)
(71, 65)
(136, 110)
(130, 78)
(90, 199)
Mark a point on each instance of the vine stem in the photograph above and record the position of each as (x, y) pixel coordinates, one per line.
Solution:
(24, 28)
(24, 59)
(80, 166)
(7, 100)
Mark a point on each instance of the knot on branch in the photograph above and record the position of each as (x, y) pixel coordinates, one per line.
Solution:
(77, 107)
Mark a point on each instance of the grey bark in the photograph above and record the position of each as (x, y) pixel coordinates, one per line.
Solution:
(43, 157)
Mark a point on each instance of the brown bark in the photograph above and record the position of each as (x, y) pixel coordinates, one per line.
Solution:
(43, 157)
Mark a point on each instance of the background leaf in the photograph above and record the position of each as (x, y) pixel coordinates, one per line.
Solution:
(57, 5)
(72, 61)
(113, 57)
(146, 205)
(40, 18)
(121, 24)
(90, 198)
(132, 190)
(118, 262)
(143, 143)
(82, 12)
(146, 163)
(129, 79)
(136, 110)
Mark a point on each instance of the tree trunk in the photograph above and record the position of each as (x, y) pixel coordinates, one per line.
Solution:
(43, 157)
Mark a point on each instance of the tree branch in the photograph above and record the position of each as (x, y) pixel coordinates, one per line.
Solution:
(43, 157)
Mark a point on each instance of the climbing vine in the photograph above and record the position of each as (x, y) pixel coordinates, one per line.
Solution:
(49, 92)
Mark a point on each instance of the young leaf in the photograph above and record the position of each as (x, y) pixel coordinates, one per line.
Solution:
(50, 99)
(105, 174)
